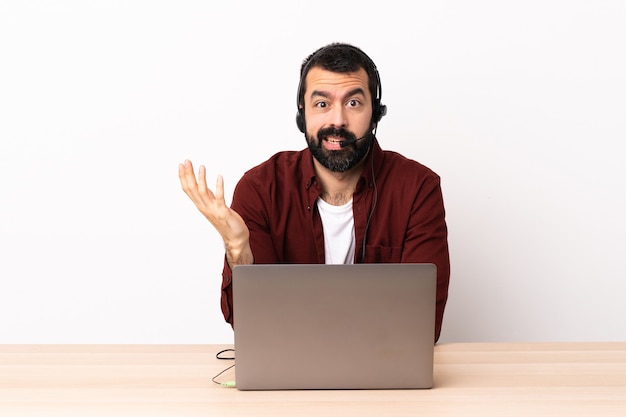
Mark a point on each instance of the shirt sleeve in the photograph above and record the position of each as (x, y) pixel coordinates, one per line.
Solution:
(249, 202)
(426, 240)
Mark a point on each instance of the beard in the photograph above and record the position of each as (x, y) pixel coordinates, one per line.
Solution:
(343, 159)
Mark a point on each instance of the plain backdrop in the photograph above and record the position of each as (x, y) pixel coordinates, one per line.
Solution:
(519, 106)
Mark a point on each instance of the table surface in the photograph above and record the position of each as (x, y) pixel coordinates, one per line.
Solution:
(471, 379)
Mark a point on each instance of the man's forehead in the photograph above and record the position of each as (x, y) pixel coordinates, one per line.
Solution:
(319, 79)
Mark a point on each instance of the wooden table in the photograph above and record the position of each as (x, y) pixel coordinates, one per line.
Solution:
(471, 379)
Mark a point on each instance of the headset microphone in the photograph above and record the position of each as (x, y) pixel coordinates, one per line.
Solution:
(345, 143)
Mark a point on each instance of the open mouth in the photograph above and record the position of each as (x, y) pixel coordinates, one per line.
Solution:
(333, 143)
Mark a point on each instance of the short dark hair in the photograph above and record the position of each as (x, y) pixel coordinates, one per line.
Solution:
(341, 58)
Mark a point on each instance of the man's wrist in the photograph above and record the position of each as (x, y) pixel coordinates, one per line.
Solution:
(238, 254)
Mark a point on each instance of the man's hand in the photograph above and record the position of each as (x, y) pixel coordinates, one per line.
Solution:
(226, 221)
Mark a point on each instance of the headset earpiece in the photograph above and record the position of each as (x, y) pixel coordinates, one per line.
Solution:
(379, 111)
(300, 120)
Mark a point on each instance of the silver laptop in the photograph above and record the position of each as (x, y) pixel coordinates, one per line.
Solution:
(363, 326)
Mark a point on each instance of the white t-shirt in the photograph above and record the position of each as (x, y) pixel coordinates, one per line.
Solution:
(338, 225)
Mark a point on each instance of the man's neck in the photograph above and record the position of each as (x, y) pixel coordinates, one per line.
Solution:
(338, 187)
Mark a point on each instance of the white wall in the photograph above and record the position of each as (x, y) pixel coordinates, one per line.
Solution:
(519, 106)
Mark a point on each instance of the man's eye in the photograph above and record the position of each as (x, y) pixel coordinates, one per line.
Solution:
(353, 103)
(321, 104)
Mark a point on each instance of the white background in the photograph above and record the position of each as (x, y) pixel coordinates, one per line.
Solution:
(520, 106)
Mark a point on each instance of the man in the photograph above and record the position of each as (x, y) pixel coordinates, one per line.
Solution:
(341, 200)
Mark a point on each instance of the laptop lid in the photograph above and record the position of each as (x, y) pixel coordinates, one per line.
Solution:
(362, 326)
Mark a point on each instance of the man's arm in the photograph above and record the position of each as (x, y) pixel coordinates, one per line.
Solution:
(226, 221)
(251, 199)
(427, 241)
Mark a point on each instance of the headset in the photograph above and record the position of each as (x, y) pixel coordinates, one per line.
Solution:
(378, 109)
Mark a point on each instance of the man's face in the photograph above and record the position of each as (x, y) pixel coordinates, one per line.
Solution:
(338, 108)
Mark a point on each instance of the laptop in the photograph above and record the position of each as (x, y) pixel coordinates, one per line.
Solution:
(362, 326)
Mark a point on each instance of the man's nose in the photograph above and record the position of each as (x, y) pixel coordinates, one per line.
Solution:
(338, 116)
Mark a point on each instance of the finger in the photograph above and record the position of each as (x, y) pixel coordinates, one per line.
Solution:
(202, 187)
(182, 176)
(219, 189)
(186, 175)
(189, 184)
(188, 166)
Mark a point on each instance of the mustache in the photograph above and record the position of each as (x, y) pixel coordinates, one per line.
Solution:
(336, 132)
